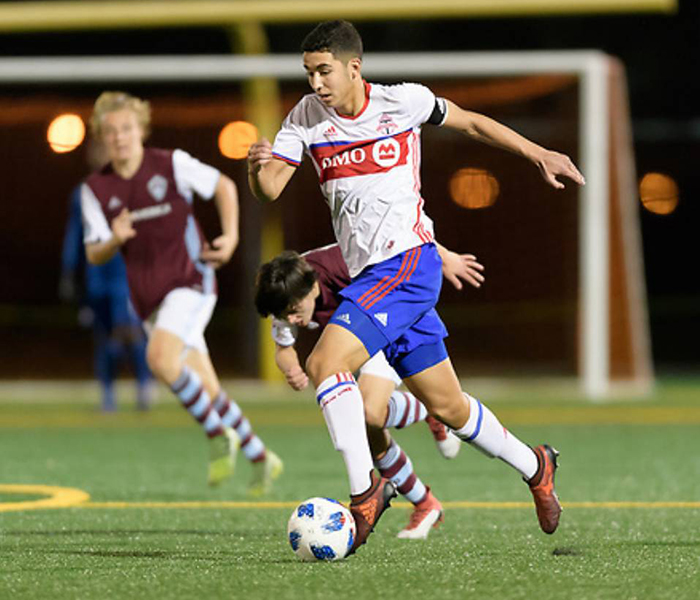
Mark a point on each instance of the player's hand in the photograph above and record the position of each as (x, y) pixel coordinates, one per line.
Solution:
(122, 229)
(219, 252)
(296, 378)
(259, 154)
(462, 267)
(553, 165)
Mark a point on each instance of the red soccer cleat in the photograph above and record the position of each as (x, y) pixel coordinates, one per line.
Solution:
(447, 442)
(426, 515)
(542, 487)
(366, 508)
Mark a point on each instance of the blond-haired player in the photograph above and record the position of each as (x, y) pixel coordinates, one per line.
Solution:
(140, 204)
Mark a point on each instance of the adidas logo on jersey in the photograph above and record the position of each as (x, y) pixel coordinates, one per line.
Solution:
(345, 318)
(330, 132)
(382, 318)
(114, 203)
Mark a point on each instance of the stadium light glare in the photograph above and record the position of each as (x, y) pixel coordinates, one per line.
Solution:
(658, 193)
(473, 188)
(236, 138)
(65, 133)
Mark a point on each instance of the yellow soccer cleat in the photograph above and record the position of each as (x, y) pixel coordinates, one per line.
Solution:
(264, 473)
(222, 456)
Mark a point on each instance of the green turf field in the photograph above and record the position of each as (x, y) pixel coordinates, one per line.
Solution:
(150, 528)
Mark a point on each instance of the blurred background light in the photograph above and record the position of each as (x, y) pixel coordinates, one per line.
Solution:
(658, 193)
(235, 139)
(473, 188)
(65, 133)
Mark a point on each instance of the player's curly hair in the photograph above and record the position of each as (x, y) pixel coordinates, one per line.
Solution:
(112, 101)
(339, 37)
(283, 282)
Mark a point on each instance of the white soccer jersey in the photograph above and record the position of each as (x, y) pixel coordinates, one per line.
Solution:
(368, 167)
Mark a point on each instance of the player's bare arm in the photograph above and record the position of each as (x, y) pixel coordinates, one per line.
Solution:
(552, 165)
(287, 362)
(219, 252)
(267, 175)
(460, 267)
(122, 230)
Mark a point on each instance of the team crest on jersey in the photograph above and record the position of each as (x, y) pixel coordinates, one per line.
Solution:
(114, 203)
(386, 124)
(157, 187)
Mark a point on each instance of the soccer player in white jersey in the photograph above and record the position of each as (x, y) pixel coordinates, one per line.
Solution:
(303, 292)
(364, 141)
(140, 203)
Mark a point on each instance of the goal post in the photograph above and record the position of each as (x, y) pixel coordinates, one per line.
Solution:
(613, 344)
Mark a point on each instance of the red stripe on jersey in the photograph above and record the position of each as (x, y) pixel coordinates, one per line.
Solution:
(418, 228)
(368, 87)
(365, 157)
(289, 161)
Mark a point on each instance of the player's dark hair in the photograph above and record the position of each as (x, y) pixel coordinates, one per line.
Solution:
(284, 281)
(340, 38)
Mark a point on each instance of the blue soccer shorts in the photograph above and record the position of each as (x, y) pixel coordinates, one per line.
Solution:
(390, 306)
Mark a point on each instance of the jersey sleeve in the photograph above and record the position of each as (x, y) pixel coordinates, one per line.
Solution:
(192, 175)
(422, 104)
(290, 141)
(284, 333)
(95, 226)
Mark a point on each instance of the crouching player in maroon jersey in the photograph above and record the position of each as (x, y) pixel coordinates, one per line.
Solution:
(364, 142)
(140, 203)
(302, 291)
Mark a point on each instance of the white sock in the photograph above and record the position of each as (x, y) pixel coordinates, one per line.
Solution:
(341, 403)
(485, 432)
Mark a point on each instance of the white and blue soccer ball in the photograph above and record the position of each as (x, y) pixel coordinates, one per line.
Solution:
(321, 529)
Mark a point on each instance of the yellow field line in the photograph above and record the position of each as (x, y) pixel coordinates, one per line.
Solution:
(455, 504)
(60, 497)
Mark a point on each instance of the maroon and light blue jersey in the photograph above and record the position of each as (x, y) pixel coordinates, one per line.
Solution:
(333, 276)
(164, 254)
(368, 168)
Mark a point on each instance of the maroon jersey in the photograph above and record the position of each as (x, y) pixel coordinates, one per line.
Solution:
(333, 276)
(164, 254)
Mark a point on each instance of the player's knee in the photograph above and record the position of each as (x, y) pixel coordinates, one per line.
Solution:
(375, 413)
(319, 366)
(454, 414)
(161, 364)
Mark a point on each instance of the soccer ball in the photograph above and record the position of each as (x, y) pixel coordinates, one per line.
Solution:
(321, 529)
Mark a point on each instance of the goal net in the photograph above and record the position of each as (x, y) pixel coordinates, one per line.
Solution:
(564, 292)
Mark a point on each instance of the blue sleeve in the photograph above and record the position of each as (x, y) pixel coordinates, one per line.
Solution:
(73, 255)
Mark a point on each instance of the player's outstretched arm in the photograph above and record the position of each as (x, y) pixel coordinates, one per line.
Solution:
(552, 165)
(267, 175)
(460, 267)
(219, 252)
(287, 361)
(122, 230)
